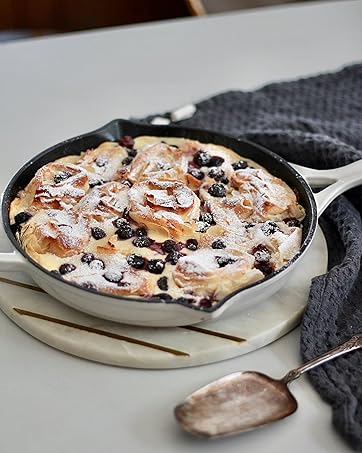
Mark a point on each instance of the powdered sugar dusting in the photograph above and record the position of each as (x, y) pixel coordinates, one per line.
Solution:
(62, 191)
(160, 198)
(202, 261)
(114, 275)
(183, 197)
(103, 162)
(271, 196)
(159, 161)
(168, 215)
(65, 227)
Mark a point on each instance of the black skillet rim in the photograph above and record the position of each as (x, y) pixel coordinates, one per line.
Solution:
(113, 131)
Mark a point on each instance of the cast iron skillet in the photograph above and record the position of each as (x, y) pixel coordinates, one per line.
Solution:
(155, 312)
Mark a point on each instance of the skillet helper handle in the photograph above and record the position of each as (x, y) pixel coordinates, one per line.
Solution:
(338, 180)
(9, 261)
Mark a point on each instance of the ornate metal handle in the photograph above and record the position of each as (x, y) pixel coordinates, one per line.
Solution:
(353, 343)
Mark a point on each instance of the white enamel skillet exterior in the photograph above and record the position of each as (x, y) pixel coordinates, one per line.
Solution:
(151, 313)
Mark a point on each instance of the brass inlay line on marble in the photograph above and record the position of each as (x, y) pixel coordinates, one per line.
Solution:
(214, 333)
(21, 284)
(105, 333)
(113, 335)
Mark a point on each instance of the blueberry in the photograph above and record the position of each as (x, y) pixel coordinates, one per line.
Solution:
(136, 261)
(98, 233)
(292, 222)
(112, 277)
(205, 303)
(155, 266)
(101, 161)
(132, 152)
(142, 241)
(88, 285)
(217, 173)
(127, 160)
(217, 190)
(266, 267)
(66, 268)
(169, 246)
(119, 222)
(124, 231)
(162, 283)
(192, 244)
(202, 158)
(62, 176)
(22, 217)
(216, 161)
(247, 226)
(123, 284)
(207, 217)
(15, 227)
(126, 141)
(95, 182)
(141, 232)
(184, 300)
(198, 174)
(218, 244)
(239, 165)
(224, 180)
(163, 296)
(203, 227)
(173, 257)
(97, 264)
(261, 253)
(222, 261)
(269, 228)
(87, 258)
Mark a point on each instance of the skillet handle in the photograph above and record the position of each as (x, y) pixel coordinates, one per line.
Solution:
(338, 181)
(11, 261)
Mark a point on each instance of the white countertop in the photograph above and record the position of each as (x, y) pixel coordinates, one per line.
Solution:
(54, 88)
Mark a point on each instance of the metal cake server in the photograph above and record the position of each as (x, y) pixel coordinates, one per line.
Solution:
(247, 400)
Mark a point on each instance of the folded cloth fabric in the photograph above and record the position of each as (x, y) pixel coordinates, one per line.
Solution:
(316, 122)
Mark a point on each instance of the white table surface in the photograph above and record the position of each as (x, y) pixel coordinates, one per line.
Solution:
(54, 88)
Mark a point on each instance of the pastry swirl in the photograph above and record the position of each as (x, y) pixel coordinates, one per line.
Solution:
(159, 161)
(54, 186)
(215, 273)
(272, 198)
(168, 208)
(105, 201)
(54, 231)
(103, 163)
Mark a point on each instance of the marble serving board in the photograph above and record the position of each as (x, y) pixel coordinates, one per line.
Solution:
(108, 342)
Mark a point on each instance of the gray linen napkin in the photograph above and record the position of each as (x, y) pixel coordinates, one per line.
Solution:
(315, 122)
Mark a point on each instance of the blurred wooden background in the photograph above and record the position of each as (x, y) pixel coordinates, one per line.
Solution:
(38, 17)
(70, 15)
